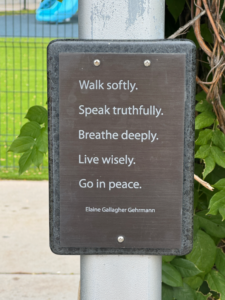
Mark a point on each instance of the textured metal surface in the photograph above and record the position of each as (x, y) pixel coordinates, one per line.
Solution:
(182, 47)
(121, 277)
(127, 19)
(143, 108)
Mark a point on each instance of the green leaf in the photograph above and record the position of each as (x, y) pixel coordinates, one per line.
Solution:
(216, 240)
(32, 129)
(21, 144)
(204, 137)
(200, 296)
(25, 161)
(217, 174)
(223, 100)
(194, 282)
(205, 119)
(171, 26)
(42, 141)
(196, 225)
(196, 197)
(37, 114)
(219, 139)
(222, 212)
(206, 34)
(220, 185)
(175, 7)
(200, 96)
(216, 282)
(213, 225)
(170, 275)
(185, 267)
(203, 105)
(168, 258)
(196, 148)
(216, 202)
(167, 292)
(184, 293)
(203, 152)
(198, 170)
(218, 156)
(220, 261)
(202, 202)
(37, 157)
(203, 253)
(209, 194)
(209, 165)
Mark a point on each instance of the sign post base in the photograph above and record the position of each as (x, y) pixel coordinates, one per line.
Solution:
(121, 277)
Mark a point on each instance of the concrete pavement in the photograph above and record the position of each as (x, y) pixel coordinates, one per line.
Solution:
(28, 268)
(38, 287)
(13, 6)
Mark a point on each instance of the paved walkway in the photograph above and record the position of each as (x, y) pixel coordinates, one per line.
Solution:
(28, 269)
(5, 6)
(25, 25)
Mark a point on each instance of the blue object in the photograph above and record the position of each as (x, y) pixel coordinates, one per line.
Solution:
(59, 12)
(42, 13)
(46, 4)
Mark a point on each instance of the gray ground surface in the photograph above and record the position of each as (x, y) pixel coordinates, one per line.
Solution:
(38, 287)
(25, 25)
(28, 269)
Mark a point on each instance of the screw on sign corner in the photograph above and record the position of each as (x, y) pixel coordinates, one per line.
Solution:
(97, 62)
(120, 239)
(147, 63)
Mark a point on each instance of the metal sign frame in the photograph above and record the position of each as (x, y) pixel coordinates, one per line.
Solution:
(121, 47)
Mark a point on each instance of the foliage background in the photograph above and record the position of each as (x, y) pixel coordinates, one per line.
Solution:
(199, 275)
(23, 83)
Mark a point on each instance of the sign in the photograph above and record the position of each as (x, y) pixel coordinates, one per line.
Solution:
(121, 147)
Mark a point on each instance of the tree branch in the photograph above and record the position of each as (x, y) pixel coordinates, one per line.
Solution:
(204, 183)
(214, 25)
(198, 31)
(205, 89)
(192, 9)
(222, 10)
(181, 29)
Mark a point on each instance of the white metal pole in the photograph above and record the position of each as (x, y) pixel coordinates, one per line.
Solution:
(121, 277)
(121, 19)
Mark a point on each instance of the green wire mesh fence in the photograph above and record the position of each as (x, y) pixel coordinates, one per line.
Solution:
(23, 74)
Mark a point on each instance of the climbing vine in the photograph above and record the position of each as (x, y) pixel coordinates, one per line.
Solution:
(201, 274)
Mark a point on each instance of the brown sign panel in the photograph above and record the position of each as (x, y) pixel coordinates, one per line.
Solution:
(121, 133)
(119, 153)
